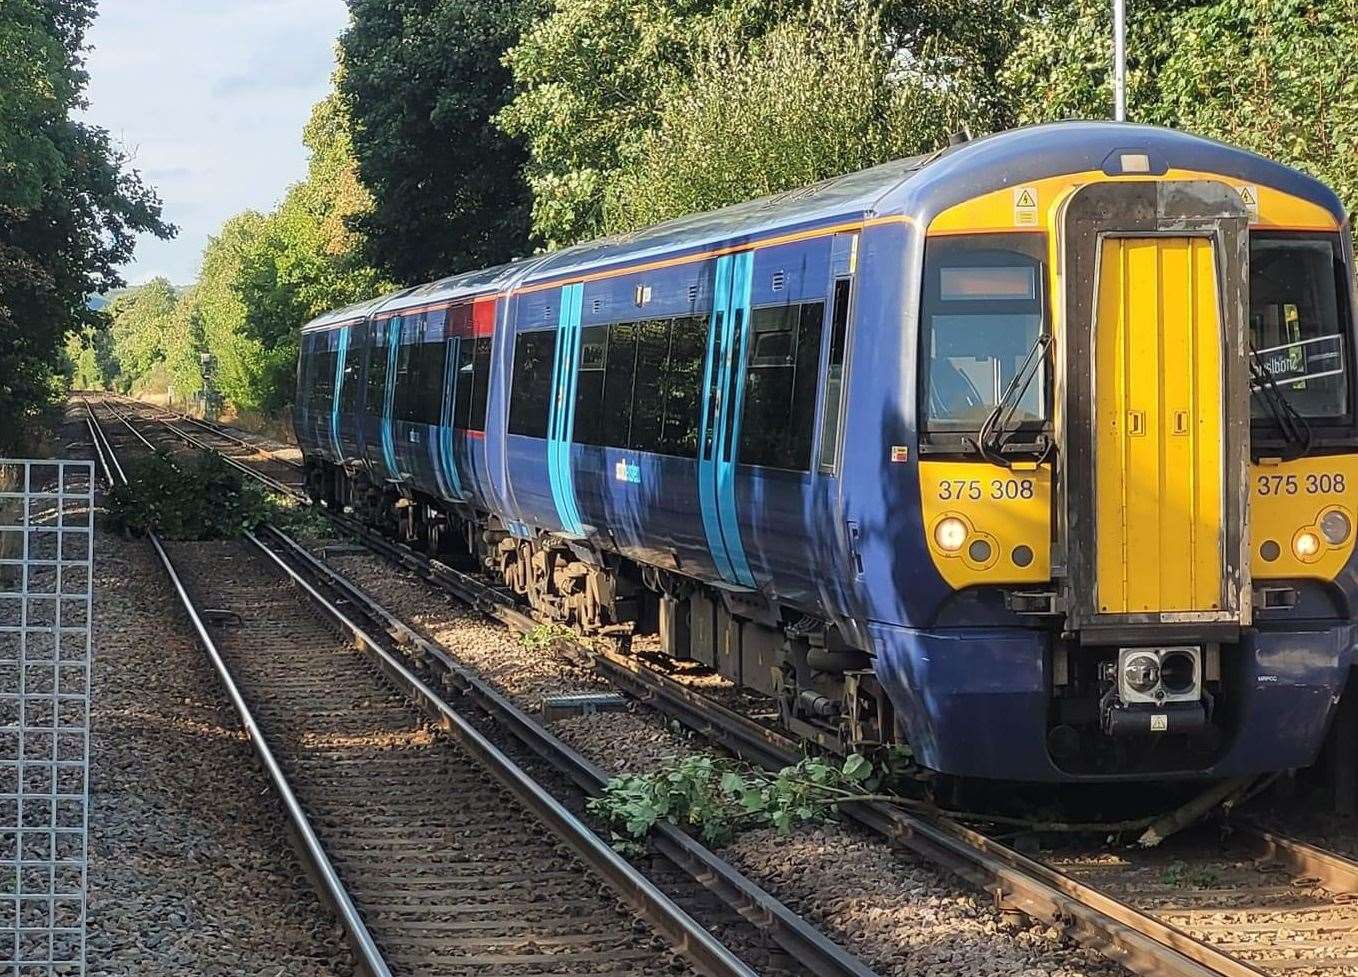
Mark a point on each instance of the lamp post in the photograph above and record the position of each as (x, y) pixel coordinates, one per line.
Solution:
(1120, 60)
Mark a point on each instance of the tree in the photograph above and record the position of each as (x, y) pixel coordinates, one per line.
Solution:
(264, 276)
(819, 95)
(139, 329)
(70, 208)
(422, 81)
(589, 80)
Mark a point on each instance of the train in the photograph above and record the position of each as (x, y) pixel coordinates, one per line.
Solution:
(1036, 455)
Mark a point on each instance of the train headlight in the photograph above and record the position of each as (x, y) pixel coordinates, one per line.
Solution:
(1335, 527)
(1305, 544)
(950, 534)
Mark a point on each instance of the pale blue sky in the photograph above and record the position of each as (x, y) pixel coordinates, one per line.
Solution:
(210, 97)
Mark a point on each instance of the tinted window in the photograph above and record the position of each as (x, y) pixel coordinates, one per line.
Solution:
(618, 377)
(464, 349)
(353, 370)
(834, 377)
(648, 394)
(480, 383)
(982, 315)
(780, 386)
(419, 390)
(683, 380)
(530, 395)
(404, 405)
(589, 388)
(377, 367)
(1297, 308)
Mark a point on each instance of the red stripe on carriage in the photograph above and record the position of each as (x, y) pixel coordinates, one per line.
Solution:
(483, 317)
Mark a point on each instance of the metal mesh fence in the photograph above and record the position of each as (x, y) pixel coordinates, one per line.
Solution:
(46, 549)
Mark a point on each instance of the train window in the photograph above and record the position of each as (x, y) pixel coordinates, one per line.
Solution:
(377, 366)
(462, 408)
(480, 392)
(589, 385)
(419, 387)
(648, 394)
(1298, 294)
(831, 412)
(404, 402)
(983, 313)
(683, 378)
(353, 370)
(530, 396)
(618, 378)
(780, 386)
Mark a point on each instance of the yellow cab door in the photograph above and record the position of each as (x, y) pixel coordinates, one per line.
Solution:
(1158, 426)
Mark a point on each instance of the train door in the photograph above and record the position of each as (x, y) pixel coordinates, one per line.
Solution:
(833, 538)
(1158, 450)
(1156, 412)
(719, 428)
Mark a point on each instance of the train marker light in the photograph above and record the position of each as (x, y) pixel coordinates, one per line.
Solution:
(1335, 527)
(950, 534)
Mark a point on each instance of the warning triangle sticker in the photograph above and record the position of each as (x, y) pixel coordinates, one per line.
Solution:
(1250, 196)
(1025, 199)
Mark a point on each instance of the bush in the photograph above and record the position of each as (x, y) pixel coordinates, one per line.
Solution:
(205, 500)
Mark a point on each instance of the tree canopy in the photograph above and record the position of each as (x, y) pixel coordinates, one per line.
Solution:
(70, 207)
(422, 83)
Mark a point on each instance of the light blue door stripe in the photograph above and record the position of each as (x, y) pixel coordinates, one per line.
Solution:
(341, 354)
(561, 412)
(733, 383)
(710, 425)
(394, 327)
(451, 481)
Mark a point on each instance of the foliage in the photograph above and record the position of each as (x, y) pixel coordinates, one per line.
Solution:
(595, 79)
(70, 208)
(544, 636)
(721, 798)
(422, 81)
(762, 116)
(298, 519)
(89, 359)
(139, 329)
(204, 500)
(1181, 876)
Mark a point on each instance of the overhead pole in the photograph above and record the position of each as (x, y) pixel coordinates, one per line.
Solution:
(1120, 60)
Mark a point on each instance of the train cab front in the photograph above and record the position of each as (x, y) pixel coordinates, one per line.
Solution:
(1137, 475)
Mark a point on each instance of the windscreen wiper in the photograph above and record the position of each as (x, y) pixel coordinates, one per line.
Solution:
(1291, 425)
(994, 431)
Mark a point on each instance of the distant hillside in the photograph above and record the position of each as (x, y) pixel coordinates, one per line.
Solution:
(101, 302)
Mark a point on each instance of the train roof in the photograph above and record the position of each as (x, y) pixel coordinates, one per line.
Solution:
(919, 186)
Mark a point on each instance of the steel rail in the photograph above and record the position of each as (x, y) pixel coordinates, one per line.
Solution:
(1122, 933)
(332, 888)
(685, 934)
(1333, 871)
(801, 940)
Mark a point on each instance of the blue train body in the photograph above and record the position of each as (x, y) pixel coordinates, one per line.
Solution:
(763, 472)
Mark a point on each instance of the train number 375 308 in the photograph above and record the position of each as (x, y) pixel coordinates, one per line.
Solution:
(975, 489)
(1315, 483)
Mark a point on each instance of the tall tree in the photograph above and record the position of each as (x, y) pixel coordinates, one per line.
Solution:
(818, 95)
(70, 208)
(422, 81)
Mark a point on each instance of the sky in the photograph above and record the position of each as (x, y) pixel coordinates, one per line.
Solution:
(209, 97)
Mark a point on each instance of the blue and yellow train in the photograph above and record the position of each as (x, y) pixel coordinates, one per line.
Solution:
(1038, 454)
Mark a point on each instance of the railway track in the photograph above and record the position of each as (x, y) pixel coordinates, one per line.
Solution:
(482, 884)
(1273, 905)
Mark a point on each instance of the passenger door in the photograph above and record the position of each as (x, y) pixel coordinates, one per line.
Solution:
(719, 431)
